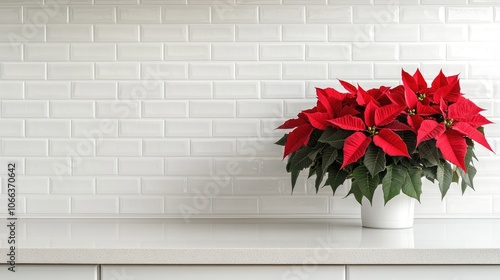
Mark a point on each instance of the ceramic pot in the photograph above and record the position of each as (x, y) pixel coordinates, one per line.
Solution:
(399, 212)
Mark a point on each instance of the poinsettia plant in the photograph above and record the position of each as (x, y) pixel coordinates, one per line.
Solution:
(388, 136)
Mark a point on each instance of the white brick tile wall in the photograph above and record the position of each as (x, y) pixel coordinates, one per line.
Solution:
(280, 52)
(11, 90)
(305, 33)
(94, 205)
(188, 90)
(92, 14)
(141, 205)
(186, 14)
(188, 51)
(116, 33)
(117, 71)
(211, 33)
(443, 33)
(143, 166)
(233, 52)
(33, 185)
(258, 33)
(21, 33)
(211, 71)
(378, 14)
(118, 109)
(47, 90)
(163, 185)
(37, 15)
(121, 147)
(165, 148)
(72, 147)
(93, 52)
(11, 15)
(48, 166)
(210, 147)
(22, 147)
(51, 205)
(141, 90)
(164, 33)
(118, 185)
(165, 109)
(422, 14)
(188, 166)
(22, 71)
(48, 128)
(188, 128)
(70, 71)
(94, 128)
(234, 14)
(11, 128)
(328, 51)
(141, 128)
(139, 52)
(94, 90)
(69, 33)
(167, 71)
(25, 109)
(46, 52)
(282, 90)
(94, 165)
(236, 89)
(72, 185)
(329, 14)
(71, 109)
(258, 71)
(137, 107)
(134, 14)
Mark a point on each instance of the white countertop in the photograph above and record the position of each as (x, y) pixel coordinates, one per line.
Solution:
(253, 241)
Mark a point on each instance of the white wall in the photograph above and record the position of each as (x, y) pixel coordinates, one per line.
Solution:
(114, 108)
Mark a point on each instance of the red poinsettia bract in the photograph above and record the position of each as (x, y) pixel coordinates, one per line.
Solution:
(439, 112)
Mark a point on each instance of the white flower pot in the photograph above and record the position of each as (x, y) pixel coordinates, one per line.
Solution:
(399, 212)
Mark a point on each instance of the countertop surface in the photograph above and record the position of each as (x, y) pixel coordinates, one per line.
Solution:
(252, 241)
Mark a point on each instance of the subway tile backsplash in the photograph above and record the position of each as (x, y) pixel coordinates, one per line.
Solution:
(169, 108)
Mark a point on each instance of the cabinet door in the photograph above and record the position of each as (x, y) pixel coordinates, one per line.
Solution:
(50, 272)
(427, 272)
(222, 272)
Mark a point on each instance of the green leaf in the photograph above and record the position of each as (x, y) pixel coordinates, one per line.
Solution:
(328, 157)
(312, 170)
(393, 181)
(444, 176)
(374, 159)
(455, 176)
(301, 159)
(469, 155)
(367, 184)
(336, 177)
(467, 178)
(295, 175)
(334, 138)
(356, 191)
(430, 173)
(314, 137)
(319, 178)
(413, 183)
(282, 141)
(428, 151)
(289, 163)
(313, 153)
(410, 140)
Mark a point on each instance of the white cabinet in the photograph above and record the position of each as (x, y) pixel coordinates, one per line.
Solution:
(423, 272)
(49, 272)
(222, 272)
